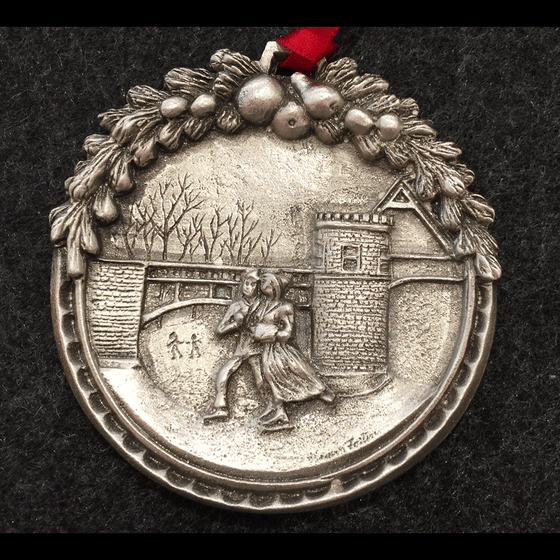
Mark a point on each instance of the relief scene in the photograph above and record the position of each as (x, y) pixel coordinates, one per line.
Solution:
(255, 295)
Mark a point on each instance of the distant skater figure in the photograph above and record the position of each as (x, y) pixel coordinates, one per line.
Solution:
(173, 345)
(194, 347)
(248, 350)
(289, 374)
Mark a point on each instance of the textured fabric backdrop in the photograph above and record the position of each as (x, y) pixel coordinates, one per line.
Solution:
(492, 91)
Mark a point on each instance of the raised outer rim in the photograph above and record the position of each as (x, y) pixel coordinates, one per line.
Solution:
(81, 369)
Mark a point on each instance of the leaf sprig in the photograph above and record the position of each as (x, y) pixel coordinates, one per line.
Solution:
(434, 172)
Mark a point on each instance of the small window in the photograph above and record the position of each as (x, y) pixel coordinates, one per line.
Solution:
(318, 254)
(351, 258)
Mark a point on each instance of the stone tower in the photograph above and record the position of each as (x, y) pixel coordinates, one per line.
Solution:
(351, 292)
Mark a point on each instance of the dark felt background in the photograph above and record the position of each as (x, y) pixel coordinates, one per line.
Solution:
(492, 91)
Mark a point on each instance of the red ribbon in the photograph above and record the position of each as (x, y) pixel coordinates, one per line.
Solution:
(308, 45)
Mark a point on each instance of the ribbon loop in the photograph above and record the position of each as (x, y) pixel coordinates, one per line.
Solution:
(307, 46)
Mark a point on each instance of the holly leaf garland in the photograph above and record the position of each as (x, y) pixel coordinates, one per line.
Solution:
(152, 120)
(196, 101)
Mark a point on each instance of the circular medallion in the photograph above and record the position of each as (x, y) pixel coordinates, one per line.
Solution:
(272, 292)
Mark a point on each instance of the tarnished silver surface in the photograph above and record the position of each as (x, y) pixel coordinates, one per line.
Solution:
(272, 292)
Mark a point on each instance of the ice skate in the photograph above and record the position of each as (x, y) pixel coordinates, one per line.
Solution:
(220, 413)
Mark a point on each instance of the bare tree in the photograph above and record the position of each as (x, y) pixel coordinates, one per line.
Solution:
(144, 217)
(128, 230)
(209, 239)
(189, 237)
(241, 242)
(268, 243)
(173, 206)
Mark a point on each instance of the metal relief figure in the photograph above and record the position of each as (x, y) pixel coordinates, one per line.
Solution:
(247, 350)
(195, 349)
(173, 345)
(290, 376)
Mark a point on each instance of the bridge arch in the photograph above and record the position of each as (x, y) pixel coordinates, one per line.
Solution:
(148, 317)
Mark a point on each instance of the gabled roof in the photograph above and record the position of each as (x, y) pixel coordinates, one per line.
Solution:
(400, 197)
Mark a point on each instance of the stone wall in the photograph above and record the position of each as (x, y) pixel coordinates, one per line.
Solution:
(115, 292)
(350, 320)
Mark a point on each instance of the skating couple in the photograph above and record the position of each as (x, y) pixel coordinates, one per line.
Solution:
(265, 322)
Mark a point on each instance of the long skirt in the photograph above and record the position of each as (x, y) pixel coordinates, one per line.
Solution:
(290, 375)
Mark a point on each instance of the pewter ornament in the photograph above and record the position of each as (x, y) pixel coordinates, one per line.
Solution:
(272, 293)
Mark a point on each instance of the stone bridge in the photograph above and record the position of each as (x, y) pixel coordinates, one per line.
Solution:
(125, 296)
(187, 285)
